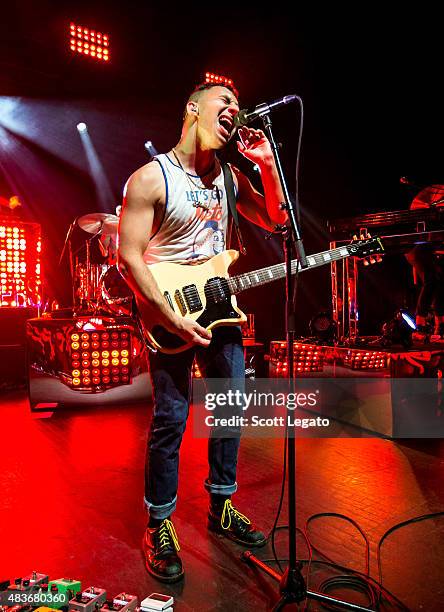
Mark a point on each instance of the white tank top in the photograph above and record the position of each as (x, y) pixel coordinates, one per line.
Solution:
(189, 233)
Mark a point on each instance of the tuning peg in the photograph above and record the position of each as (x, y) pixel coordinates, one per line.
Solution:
(354, 237)
(366, 261)
(378, 258)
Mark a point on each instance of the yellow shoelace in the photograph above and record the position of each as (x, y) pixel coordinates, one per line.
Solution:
(166, 531)
(230, 511)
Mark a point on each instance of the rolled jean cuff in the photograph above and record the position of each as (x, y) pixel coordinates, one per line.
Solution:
(216, 489)
(160, 512)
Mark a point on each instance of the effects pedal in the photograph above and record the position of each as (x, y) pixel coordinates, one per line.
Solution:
(88, 600)
(63, 590)
(36, 579)
(121, 603)
(23, 591)
(157, 602)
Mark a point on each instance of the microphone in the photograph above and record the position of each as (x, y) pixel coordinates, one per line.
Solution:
(244, 117)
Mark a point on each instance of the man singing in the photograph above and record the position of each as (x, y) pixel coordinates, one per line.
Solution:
(176, 210)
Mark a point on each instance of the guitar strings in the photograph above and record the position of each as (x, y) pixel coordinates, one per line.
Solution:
(263, 273)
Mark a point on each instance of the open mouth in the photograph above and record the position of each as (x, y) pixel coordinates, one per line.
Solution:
(226, 124)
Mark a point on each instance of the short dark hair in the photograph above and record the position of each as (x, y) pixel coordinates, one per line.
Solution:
(197, 92)
(209, 85)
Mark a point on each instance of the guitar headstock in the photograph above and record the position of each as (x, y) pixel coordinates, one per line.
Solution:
(366, 248)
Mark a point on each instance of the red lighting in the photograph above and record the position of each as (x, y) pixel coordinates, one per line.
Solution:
(195, 373)
(96, 375)
(358, 359)
(211, 77)
(307, 358)
(20, 275)
(83, 36)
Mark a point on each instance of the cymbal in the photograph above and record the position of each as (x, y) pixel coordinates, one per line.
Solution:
(433, 195)
(104, 223)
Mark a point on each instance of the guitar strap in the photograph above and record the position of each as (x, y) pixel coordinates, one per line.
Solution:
(231, 198)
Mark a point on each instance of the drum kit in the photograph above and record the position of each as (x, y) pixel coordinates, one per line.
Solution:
(97, 288)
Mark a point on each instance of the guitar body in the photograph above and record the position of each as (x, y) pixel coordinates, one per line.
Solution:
(199, 292)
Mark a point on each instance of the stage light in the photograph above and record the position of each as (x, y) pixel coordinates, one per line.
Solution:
(82, 127)
(20, 247)
(95, 373)
(408, 319)
(307, 358)
(79, 39)
(399, 329)
(362, 359)
(211, 77)
(322, 327)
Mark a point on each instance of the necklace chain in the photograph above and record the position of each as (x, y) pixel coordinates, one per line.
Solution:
(196, 204)
(190, 180)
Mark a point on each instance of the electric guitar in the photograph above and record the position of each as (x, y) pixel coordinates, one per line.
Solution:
(207, 294)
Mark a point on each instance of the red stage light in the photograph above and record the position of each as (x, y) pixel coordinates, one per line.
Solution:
(307, 358)
(365, 360)
(83, 36)
(210, 77)
(20, 247)
(101, 375)
(195, 371)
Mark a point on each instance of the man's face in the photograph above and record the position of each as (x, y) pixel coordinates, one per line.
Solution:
(217, 108)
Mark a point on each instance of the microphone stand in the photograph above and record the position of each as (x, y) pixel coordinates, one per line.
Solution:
(67, 244)
(292, 585)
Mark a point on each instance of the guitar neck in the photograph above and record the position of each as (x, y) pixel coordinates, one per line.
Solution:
(271, 273)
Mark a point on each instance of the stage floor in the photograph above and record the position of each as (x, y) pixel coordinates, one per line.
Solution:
(71, 505)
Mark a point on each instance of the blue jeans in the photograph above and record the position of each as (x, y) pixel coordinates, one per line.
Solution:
(171, 381)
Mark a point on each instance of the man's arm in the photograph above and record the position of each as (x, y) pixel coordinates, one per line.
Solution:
(264, 211)
(146, 189)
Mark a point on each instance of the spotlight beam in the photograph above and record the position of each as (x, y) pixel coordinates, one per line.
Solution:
(103, 189)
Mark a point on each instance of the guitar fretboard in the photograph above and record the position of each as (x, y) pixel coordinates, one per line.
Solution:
(271, 273)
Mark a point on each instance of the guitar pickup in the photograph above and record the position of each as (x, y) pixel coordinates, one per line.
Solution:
(167, 296)
(180, 302)
(192, 298)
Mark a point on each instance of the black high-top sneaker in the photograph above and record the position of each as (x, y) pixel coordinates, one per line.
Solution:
(231, 524)
(160, 547)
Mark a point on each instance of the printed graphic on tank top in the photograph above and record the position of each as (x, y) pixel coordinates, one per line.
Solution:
(194, 226)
